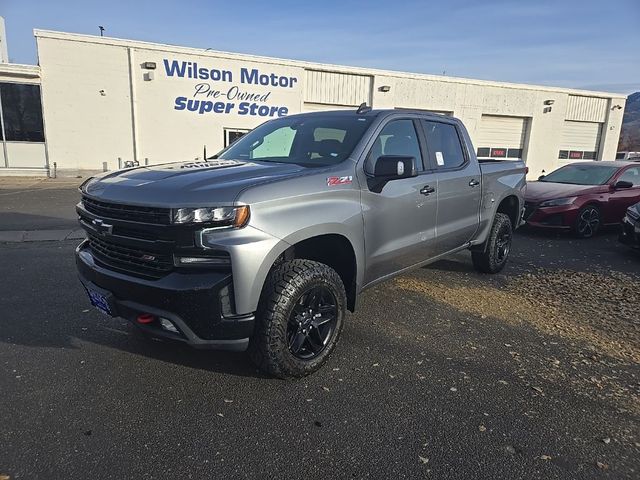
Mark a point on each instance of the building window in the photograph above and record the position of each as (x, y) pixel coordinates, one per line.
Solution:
(21, 112)
(232, 134)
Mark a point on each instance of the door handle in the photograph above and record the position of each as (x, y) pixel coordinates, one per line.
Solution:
(474, 183)
(427, 190)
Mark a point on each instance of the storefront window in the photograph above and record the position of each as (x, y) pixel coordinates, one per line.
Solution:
(21, 112)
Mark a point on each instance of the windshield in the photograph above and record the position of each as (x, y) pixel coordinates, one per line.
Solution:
(311, 141)
(581, 174)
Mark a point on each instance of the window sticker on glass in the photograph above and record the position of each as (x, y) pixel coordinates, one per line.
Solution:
(439, 158)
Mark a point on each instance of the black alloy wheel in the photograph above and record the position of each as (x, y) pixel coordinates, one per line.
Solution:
(312, 323)
(299, 319)
(491, 257)
(503, 243)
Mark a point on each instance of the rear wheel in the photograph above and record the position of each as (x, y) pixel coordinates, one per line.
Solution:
(494, 256)
(588, 222)
(300, 318)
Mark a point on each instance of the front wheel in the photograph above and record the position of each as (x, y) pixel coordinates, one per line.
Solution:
(299, 319)
(494, 256)
(588, 222)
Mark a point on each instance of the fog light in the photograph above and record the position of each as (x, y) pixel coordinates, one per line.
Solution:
(167, 325)
(216, 261)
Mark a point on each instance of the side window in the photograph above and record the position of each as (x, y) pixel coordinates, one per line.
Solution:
(276, 144)
(398, 137)
(631, 175)
(444, 144)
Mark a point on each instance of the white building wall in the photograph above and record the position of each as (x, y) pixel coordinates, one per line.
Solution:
(86, 103)
(166, 134)
(101, 101)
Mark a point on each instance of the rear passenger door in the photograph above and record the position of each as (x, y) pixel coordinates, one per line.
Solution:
(458, 187)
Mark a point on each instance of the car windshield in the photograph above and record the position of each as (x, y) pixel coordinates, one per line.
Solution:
(311, 141)
(581, 174)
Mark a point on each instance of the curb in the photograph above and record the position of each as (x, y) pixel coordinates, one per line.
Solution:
(23, 236)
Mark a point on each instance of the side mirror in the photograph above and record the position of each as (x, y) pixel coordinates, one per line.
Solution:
(394, 167)
(622, 184)
(541, 177)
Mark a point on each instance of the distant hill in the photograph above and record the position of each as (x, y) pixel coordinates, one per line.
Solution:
(630, 135)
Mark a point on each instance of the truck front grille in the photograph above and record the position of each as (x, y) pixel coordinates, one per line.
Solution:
(129, 259)
(132, 213)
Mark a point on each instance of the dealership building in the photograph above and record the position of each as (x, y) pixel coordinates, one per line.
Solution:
(97, 103)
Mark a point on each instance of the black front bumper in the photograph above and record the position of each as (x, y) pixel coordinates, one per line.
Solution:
(630, 233)
(199, 304)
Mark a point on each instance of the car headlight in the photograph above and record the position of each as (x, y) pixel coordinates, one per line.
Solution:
(558, 201)
(215, 216)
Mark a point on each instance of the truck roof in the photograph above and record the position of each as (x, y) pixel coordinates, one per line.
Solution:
(372, 112)
(612, 163)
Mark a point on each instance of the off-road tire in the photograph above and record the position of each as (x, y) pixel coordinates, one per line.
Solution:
(284, 287)
(490, 259)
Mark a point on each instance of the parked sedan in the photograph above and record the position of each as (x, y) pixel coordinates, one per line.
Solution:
(583, 196)
(630, 231)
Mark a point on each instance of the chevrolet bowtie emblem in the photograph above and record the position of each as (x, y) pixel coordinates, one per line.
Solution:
(101, 227)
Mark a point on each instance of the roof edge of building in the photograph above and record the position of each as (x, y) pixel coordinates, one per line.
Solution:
(20, 69)
(312, 65)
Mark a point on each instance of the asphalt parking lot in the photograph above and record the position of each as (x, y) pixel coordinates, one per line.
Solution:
(442, 373)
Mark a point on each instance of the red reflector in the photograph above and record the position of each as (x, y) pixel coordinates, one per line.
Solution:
(526, 170)
(146, 318)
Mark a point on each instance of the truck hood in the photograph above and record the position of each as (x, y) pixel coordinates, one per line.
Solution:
(187, 184)
(541, 191)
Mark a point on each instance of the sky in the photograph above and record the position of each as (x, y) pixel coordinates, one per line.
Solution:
(591, 44)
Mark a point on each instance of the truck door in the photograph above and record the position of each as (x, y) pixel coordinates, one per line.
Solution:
(458, 187)
(399, 222)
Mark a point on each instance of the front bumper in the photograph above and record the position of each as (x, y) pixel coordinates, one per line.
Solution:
(199, 304)
(562, 217)
(630, 233)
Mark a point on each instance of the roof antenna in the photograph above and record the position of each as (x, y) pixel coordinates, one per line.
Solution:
(363, 108)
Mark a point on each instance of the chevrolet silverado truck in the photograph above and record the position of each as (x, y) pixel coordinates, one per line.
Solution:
(265, 246)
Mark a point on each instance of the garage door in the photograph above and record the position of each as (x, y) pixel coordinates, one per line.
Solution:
(502, 137)
(580, 140)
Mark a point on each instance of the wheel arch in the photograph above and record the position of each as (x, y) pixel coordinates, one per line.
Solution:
(510, 206)
(334, 250)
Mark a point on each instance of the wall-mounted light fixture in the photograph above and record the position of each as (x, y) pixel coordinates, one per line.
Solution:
(384, 88)
(149, 65)
(549, 102)
(616, 107)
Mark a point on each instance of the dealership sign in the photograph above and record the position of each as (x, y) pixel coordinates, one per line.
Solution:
(238, 98)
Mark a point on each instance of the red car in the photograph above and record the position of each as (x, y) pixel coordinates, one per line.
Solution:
(583, 196)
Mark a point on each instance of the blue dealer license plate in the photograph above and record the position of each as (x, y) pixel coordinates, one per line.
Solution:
(99, 301)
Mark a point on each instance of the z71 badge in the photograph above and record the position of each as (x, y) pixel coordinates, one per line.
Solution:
(333, 181)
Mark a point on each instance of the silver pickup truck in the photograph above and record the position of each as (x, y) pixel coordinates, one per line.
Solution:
(267, 245)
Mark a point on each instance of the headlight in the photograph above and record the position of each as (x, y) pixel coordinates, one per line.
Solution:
(558, 201)
(217, 216)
